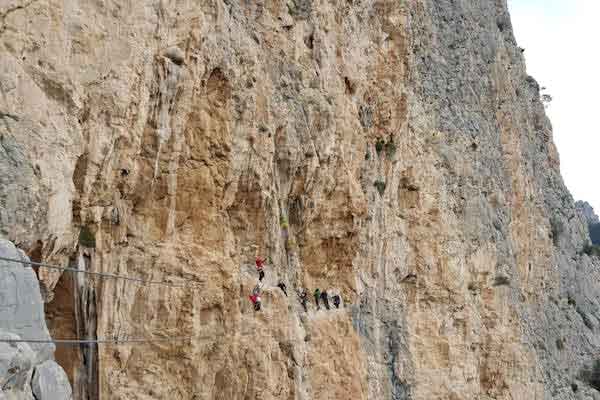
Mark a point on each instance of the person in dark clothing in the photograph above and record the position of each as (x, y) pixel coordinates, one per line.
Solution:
(260, 265)
(336, 301)
(303, 299)
(325, 299)
(281, 286)
(317, 295)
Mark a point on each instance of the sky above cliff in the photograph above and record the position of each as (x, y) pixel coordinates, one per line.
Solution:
(561, 41)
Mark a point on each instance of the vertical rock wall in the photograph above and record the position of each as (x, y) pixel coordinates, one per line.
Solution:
(393, 152)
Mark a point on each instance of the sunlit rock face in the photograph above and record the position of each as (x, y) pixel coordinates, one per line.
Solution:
(393, 152)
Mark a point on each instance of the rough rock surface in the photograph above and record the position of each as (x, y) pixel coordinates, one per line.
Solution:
(16, 363)
(21, 305)
(22, 317)
(50, 382)
(394, 152)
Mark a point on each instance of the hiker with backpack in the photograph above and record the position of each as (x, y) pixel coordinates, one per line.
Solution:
(336, 301)
(303, 298)
(325, 298)
(317, 295)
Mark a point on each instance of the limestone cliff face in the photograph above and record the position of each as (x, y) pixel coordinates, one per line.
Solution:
(394, 152)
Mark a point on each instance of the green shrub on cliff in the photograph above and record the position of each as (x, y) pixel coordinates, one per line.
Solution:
(380, 185)
(379, 145)
(87, 238)
(592, 250)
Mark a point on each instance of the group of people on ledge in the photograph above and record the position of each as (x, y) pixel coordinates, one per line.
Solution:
(323, 295)
(302, 294)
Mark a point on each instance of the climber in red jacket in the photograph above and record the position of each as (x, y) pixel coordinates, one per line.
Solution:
(255, 299)
(259, 267)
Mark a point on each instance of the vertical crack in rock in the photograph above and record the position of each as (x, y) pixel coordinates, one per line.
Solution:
(72, 314)
(169, 71)
(86, 385)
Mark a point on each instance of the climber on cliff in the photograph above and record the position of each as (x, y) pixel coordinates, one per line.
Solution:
(317, 295)
(255, 299)
(281, 286)
(336, 301)
(257, 288)
(325, 299)
(302, 296)
(260, 264)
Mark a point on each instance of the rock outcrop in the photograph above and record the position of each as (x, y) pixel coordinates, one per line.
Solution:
(22, 318)
(50, 382)
(587, 211)
(396, 153)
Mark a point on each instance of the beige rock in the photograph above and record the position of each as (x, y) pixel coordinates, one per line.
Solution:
(393, 152)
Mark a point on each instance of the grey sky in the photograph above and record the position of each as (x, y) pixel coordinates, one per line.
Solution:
(560, 38)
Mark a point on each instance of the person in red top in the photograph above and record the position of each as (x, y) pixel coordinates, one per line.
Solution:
(259, 267)
(255, 299)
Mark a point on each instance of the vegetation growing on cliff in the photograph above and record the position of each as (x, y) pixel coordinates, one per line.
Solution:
(87, 238)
